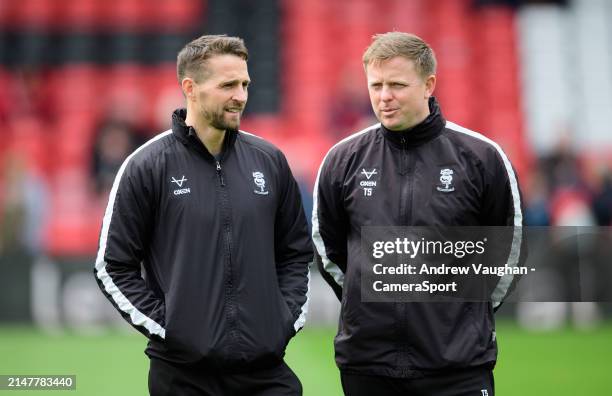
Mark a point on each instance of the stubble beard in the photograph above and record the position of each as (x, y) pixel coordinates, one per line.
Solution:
(217, 120)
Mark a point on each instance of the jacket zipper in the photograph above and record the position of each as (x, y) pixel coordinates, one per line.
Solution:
(406, 186)
(229, 273)
(221, 181)
(405, 210)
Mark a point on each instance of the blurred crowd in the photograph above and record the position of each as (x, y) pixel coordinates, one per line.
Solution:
(569, 188)
(563, 187)
(66, 127)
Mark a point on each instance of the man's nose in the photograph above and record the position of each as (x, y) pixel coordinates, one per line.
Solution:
(240, 95)
(385, 94)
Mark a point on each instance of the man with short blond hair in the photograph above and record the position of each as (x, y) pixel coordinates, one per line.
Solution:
(413, 168)
(219, 302)
(389, 45)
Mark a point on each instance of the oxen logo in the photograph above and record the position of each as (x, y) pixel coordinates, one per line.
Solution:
(368, 185)
(368, 174)
(179, 183)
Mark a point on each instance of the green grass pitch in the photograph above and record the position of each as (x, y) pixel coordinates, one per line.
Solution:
(562, 362)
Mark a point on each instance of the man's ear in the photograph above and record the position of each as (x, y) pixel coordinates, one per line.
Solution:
(187, 85)
(430, 85)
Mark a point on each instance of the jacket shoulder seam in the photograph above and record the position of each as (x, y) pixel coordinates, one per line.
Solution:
(353, 136)
(455, 128)
(274, 150)
(511, 176)
(149, 144)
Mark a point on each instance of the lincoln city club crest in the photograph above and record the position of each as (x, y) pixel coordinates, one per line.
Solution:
(446, 179)
(260, 182)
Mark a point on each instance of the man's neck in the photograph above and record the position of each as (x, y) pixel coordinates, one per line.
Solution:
(211, 138)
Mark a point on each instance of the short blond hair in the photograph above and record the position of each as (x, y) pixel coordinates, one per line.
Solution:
(389, 45)
(193, 56)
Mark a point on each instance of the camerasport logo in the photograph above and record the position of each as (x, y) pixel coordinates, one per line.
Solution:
(368, 184)
(179, 183)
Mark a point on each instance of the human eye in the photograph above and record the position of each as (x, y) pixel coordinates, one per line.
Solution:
(229, 84)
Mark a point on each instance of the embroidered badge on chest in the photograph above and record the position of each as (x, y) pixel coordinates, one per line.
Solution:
(179, 183)
(260, 182)
(368, 184)
(446, 181)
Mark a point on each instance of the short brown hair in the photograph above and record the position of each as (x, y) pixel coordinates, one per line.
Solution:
(389, 45)
(194, 55)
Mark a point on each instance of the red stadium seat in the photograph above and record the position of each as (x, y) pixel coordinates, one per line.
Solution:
(177, 15)
(82, 15)
(75, 216)
(31, 139)
(30, 14)
(76, 89)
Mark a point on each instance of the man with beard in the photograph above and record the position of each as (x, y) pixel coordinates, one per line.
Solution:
(212, 216)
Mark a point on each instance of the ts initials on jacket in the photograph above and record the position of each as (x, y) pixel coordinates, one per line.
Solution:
(223, 242)
(435, 174)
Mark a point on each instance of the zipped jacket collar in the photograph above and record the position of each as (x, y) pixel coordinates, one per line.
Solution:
(421, 133)
(188, 136)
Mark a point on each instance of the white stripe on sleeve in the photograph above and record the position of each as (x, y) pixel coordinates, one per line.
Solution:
(329, 266)
(301, 320)
(137, 318)
(504, 283)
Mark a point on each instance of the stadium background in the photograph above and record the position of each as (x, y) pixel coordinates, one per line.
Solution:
(84, 81)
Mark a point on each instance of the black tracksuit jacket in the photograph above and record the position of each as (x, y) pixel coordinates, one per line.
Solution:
(224, 245)
(411, 339)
